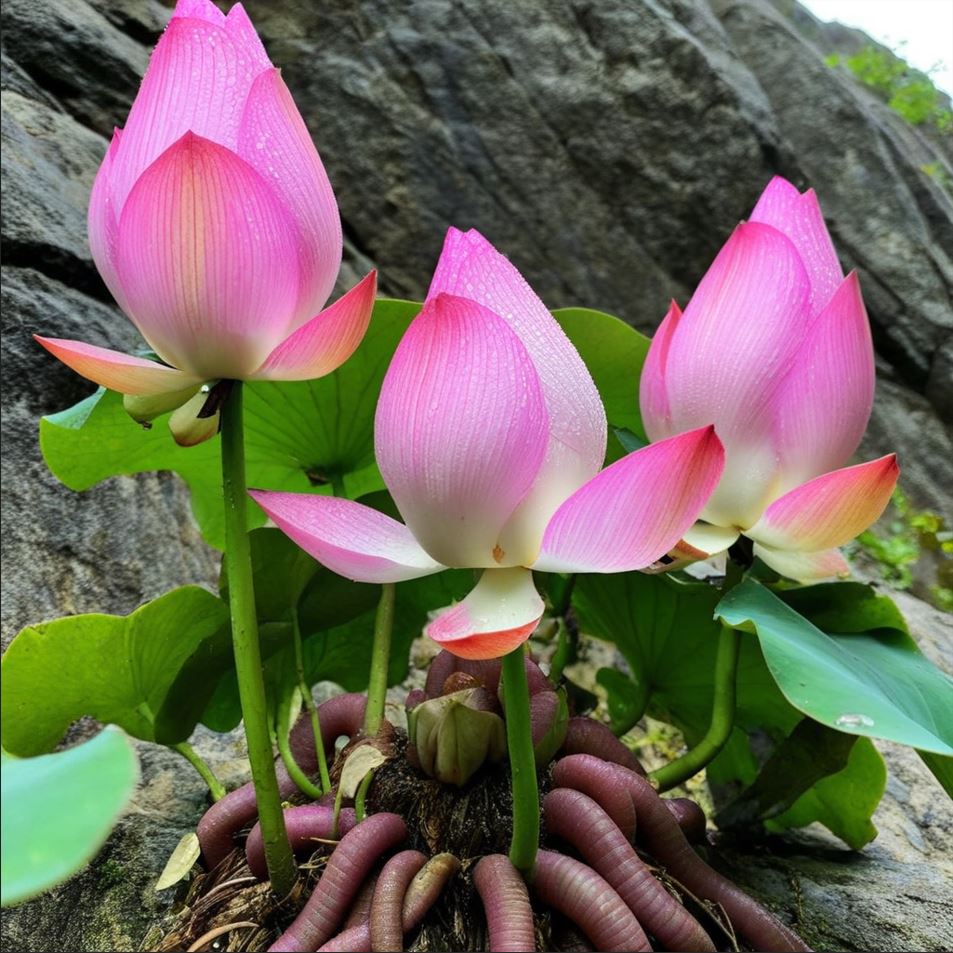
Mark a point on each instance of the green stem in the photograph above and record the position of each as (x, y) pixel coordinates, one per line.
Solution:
(722, 717)
(565, 601)
(248, 665)
(337, 484)
(305, 784)
(519, 740)
(216, 788)
(361, 796)
(308, 699)
(380, 661)
(338, 801)
(567, 644)
(566, 653)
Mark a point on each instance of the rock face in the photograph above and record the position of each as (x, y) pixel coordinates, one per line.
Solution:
(607, 147)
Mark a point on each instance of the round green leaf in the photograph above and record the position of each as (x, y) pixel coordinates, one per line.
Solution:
(614, 352)
(860, 783)
(337, 644)
(845, 607)
(57, 809)
(875, 684)
(299, 435)
(942, 768)
(666, 631)
(285, 577)
(115, 668)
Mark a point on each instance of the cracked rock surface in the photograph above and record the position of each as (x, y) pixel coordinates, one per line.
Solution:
(609, 148)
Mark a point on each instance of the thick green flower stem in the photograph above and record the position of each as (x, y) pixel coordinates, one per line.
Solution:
(251, 683)
(519, 740)
(380, 661)
(216, 788)
(308, 699)
(722, 717)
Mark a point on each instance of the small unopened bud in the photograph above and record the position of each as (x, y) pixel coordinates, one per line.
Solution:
(187, 424)
(147, 408)
(454, 735)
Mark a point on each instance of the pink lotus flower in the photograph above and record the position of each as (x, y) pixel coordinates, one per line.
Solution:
(214, 225)
(490, 436)
(774, 349)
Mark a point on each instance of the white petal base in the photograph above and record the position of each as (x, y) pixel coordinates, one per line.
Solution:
(804, 567)
(710, 539)
(497, 616)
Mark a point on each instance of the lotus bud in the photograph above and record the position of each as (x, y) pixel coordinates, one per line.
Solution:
(456, 734)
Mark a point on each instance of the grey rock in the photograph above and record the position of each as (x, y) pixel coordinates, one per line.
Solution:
(906, 422)
(71, 49)
(111, 548)
(609, 148)
(940, 386)
(49, 161)
(142, 20)
(432, 114)
(14, 78)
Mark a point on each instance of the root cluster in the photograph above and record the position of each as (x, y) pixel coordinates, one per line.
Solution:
(618, 870)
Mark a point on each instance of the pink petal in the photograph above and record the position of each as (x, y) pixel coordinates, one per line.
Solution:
(274, 140)
(733, 344)
(822, 408)
(103, 222)
(349, 538)
(830, 510)
(497, 616)
(800, 218)
(115, 370)
(236, 24)
(199, 10)
(471, 267)
(198, 80)
(804, 567)
(326, 341)
(242, 32)
(207, 260)
(636, 510)
(653, 396)
(461, 430)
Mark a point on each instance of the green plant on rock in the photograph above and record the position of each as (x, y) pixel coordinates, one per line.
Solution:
(909, 92)
(905, 539)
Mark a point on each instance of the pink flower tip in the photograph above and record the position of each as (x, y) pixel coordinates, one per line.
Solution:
(891, 465)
